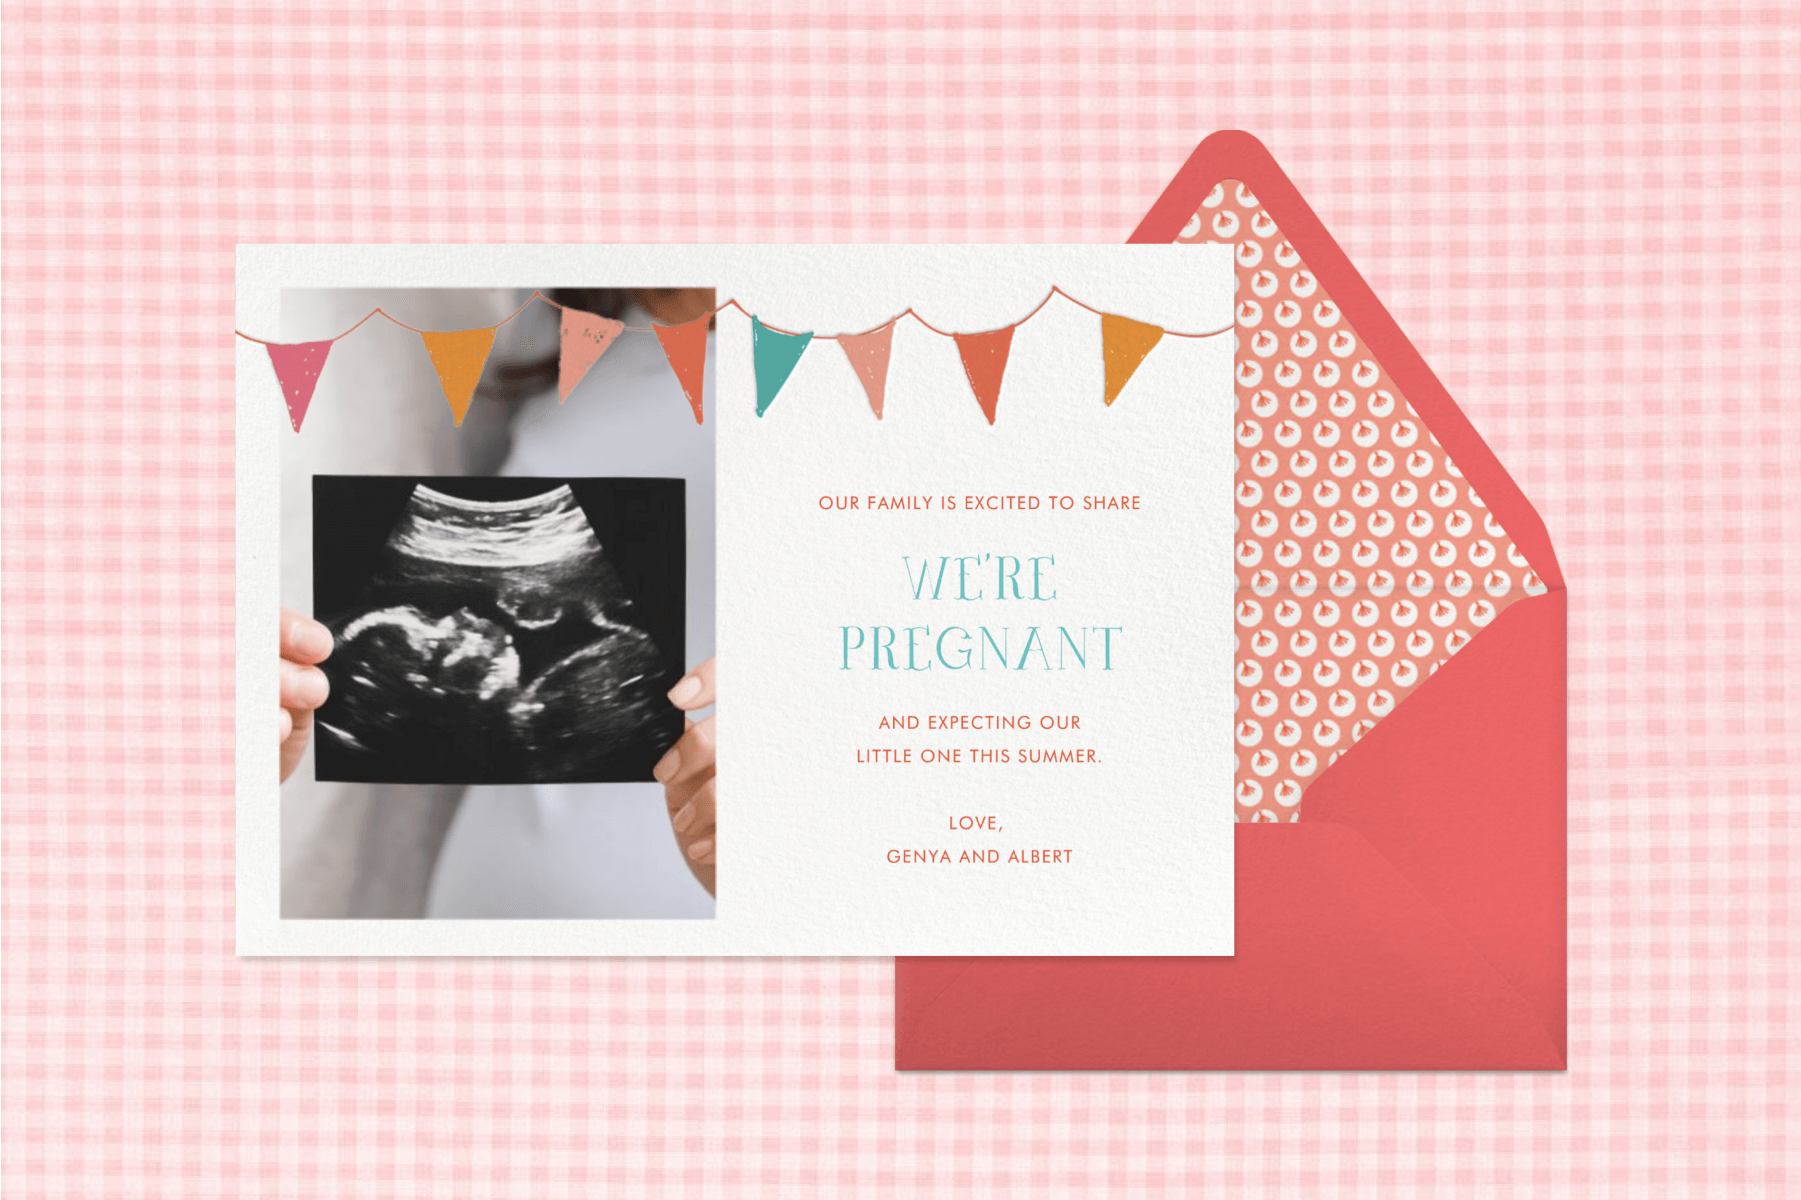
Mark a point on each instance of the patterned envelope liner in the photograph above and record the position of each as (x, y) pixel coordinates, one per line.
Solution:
(1364, 559)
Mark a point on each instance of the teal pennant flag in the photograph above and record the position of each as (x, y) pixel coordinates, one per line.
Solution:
(775, 355)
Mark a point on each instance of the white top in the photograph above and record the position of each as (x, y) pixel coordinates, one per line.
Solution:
(603, 849)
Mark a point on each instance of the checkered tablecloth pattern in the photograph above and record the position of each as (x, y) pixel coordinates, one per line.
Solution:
(1589, 223)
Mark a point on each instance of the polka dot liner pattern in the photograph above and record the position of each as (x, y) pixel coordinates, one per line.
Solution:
(1364, 558)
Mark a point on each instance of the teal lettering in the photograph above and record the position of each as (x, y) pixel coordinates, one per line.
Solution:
(1081, 654)
(1033, 643)
(1004, 575)
(963, 578)
(913, 646)
(1000, 647)
(925, 566)
(966, 650)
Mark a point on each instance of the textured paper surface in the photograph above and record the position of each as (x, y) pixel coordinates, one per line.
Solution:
(803, 833)
(794, 574)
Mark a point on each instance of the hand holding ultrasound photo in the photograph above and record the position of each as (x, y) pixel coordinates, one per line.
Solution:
(503, 605)
(493, 636)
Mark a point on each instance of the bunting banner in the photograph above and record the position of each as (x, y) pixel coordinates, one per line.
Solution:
(459, 356)
(297, 368)
(774, 355)
(585, 338)
(1124, 344)
(685, 346)
(868, 354)
(985, 363)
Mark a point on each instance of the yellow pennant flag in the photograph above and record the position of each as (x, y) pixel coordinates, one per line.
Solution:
(1124, 343)
(459, 357)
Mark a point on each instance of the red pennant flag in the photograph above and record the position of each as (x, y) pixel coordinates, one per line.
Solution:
(985, 361)
(297, 370)
(685, 346)
(585, 338)
(868, 354)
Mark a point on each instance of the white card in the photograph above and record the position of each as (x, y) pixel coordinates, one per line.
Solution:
(974, 675)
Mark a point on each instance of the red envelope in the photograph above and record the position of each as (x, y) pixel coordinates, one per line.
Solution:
(1413, 916)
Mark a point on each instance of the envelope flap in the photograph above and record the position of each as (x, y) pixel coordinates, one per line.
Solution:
(1234, 154)
(1462, 789)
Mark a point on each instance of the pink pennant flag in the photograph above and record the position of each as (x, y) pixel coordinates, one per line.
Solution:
(297, 368)
(585, 338)
(868, 354)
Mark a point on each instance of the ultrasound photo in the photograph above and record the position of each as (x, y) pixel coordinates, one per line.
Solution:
(498, 630)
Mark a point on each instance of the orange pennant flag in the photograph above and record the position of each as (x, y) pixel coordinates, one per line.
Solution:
(868, 354)
(1124, 343)
(459, 356)
(585, 338)
(685, 346)
(985, 362)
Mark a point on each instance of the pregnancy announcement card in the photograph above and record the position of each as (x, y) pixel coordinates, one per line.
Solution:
(716, 600)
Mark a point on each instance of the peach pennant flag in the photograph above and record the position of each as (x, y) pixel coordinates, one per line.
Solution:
(1124, 344)
(868, 354)
(985, 362)
(685, 346)
(297, 368)
(586, 337)
(459, 356)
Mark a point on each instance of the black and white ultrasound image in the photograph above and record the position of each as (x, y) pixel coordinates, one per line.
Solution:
(498, 630)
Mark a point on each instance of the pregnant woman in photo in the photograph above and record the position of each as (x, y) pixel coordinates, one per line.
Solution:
(605, 850)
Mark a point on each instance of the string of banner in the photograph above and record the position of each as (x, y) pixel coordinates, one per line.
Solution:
(460, 355)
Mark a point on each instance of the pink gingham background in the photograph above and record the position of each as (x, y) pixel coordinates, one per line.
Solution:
(1590, 225)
